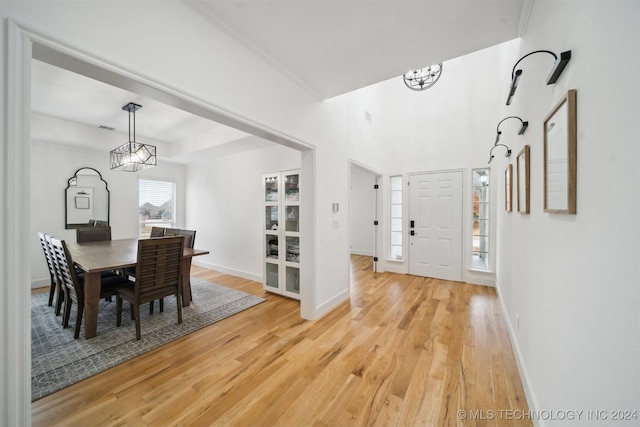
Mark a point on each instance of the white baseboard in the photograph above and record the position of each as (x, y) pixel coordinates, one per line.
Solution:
(361, 252)
(480, 279)
(532, 402)
(40, 283)
(240, 273)
(325, 308)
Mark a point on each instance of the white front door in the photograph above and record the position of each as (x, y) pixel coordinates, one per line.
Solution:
(435, 220)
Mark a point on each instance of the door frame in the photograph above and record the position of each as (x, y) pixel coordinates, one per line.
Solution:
(377, 230)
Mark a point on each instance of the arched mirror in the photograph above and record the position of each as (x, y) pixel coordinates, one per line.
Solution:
(86, 199)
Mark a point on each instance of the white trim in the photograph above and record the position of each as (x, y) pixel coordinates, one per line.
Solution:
(226, 270)
(525, 16)
(532, 402)
(363, 252)
(16, 296)
(230, 31)
(332, 303)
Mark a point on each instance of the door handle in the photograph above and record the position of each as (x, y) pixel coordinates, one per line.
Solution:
(413, 233)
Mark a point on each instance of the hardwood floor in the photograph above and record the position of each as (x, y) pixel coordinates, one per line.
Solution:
(404, 351)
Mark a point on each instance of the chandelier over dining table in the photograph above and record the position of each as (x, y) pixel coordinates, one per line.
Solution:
(133, 156)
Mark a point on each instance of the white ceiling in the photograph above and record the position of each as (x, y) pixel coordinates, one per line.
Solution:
(336, 46)
(328, 47)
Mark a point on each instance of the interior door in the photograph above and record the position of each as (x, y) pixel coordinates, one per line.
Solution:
(435, 225)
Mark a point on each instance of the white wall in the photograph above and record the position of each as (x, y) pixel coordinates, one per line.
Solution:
(51, 167)
(362, 211)
(449, 126)
(574, 280)
(225, 205)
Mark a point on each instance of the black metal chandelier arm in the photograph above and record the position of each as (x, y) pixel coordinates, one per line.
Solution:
(510, 117)
(513, 72)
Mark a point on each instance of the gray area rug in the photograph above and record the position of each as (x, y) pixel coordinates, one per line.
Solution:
(57, 360)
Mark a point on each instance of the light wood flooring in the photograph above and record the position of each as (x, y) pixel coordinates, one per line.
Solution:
(404, 351)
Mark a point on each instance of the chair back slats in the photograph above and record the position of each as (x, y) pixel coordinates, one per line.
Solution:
(93, 234)
(50, 259)
(157, 231)
(159, 267)
(171, 231)
(190, 237)
(48, 255)
(66, 272)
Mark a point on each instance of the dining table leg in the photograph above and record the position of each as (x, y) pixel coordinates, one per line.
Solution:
(186, 282)
(91, 303)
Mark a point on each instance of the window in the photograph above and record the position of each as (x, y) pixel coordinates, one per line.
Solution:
(480, 226)
(156, 205)
(396, 218)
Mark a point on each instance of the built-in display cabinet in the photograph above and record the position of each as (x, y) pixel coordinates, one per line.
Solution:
(282, 260)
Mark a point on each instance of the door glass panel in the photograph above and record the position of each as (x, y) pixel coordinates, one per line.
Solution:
(292, 188)
(293, 249)
(271, 189)
(271, 217)
(272, 275)
(293, 216)
(293, 280)
(272, 246)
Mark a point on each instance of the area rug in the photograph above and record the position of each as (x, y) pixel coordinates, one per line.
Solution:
(58, 360)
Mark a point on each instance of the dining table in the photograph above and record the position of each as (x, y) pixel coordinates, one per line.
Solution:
(96, 257)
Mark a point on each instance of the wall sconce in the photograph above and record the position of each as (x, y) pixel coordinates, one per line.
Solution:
(491, 156)
(558, 66)
(522, 130)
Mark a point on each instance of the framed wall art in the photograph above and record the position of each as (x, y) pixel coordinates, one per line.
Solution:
(522, 188)
(508, 188)
(560, 156)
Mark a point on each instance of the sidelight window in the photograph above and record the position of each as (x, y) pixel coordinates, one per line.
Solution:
(480, 220)
(395, 249)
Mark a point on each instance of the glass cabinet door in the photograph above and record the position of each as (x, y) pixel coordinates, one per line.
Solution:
(282, 262)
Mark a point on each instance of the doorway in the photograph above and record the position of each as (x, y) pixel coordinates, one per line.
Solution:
(364, 210)
(435, 225)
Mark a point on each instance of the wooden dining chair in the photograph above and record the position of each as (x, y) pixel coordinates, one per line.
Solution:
(54, 287)
(73, 285)
(158, 274)
(189, 241)
(171, 232)
(93, 234)
(157, 232)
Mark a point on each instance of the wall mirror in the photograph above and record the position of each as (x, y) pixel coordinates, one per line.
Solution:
(560, 151)
(522, 171)
(86, 198)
